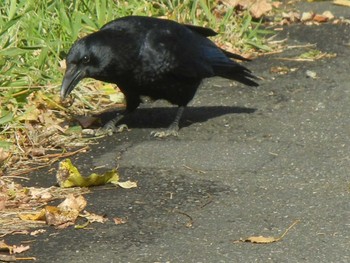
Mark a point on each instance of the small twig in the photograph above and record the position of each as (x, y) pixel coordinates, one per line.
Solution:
(63, 155)
(190, 222)
(301, 46)
(16, 177)
(287, 230)
(54, 158)
(194, 170)
(27, 258)
(210, 197)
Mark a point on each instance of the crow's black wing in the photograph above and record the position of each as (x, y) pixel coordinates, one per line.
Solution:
(173, 51)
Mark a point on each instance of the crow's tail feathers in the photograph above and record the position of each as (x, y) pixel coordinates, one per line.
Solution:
(235, 56)
(236, 72)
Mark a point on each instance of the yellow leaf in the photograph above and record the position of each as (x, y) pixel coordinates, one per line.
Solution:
(31, 114)
(261, 240)
(69, 176)
(38, 216)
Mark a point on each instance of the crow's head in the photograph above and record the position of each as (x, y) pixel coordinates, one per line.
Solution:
(89, 57)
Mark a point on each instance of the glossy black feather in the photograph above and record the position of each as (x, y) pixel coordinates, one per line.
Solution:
(152, 57)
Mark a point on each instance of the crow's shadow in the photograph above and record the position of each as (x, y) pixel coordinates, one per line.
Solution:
(160, 117)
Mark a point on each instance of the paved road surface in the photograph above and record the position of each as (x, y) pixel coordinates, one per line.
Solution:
(248, 161)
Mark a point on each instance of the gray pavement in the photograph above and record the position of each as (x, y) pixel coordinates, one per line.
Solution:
(247, 162)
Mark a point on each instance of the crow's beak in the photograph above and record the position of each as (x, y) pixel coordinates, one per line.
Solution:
(70, 80)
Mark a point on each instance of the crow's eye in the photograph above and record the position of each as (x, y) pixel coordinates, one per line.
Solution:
(85, 59)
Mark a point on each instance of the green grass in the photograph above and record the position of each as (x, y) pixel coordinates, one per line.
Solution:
(36, 34)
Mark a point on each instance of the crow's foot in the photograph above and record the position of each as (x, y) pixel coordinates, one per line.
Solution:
(166, 133)
(110, 128)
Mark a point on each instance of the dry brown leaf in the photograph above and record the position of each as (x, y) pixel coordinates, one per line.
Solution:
(307, 16)
(328, 14)
(73, 203)
(291, 16)
(3, 199)
(58, 217)
(19, 249)
(260, 8)
(119, 220)
(37, 232)
(65, 213)
(3, 155)
(266, 240)
(280, 70)
(12, 249)
(320, 18)
(87, 121)
(91, 217)
(257, 8)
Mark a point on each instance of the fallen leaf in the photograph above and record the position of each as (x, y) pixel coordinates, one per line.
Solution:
(307, 16)
(3, 199)
(266, 240)
(91, 217)
(69, 176)
(119, 220)
(261, 240)
(311, 74)
(279, 70)
(328, 14)
(19, 249)
(3, 154)
(73, 203)
(320, 18)
(127, 184)
(38, 216)
(63, 215)
(56, 216)
(37, 232)
(87, 121)
(291, 16)
(12, 249)
(256, 8)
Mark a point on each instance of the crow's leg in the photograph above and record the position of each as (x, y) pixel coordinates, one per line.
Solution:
(173, 128)
(132, 102)
(110, 127)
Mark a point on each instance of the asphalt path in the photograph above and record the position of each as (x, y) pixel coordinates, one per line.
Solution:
(247, 162)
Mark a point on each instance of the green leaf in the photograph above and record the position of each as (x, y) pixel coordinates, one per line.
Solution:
(6, 117)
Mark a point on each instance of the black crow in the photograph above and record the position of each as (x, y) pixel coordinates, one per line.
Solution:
(152, 57)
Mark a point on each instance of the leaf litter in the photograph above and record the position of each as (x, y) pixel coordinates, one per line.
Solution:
(23, 208)
(266, 239)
